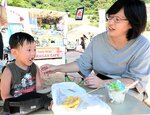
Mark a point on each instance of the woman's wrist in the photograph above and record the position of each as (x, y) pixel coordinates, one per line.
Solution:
(106, 82)
(59, 68)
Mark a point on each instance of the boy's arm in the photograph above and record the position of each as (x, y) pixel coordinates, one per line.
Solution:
(39, 81)
(6, 84)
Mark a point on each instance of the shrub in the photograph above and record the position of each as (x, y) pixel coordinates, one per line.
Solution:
(148, 26)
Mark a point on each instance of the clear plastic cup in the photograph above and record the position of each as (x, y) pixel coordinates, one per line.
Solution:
(116, 96)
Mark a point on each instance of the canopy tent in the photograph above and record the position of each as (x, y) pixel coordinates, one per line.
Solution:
(40, 13)
(78, 32)
(86, 29)
(47, 16)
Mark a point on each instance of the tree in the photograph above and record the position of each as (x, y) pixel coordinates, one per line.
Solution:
(147, 1)
(91, 6)
(19, 3)
(105, 4)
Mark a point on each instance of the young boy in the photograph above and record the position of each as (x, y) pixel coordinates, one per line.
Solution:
(22, 75)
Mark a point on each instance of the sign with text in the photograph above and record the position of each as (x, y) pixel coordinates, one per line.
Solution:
(49, 52)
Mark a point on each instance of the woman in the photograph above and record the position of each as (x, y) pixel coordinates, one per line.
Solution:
(119, 53)
(82, 43)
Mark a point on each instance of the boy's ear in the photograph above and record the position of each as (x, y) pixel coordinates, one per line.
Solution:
(14, 52)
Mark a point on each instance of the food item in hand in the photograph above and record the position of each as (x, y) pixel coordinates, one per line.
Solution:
(72, 102)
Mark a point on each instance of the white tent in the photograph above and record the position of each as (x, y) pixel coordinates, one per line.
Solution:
(78, 32)
(86, 29)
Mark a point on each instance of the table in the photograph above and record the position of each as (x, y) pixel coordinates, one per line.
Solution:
(131, 106)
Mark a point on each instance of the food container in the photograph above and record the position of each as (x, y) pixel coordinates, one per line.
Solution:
(116, 92)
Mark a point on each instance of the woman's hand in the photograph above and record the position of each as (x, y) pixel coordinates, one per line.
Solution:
(147, 102)
(48, 69)
(92, 81)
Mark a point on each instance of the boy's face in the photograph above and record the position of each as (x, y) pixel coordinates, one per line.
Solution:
(25, 54)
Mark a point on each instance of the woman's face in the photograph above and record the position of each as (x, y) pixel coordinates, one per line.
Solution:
(118, 24)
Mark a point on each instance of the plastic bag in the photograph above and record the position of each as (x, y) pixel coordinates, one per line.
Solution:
(89, 104)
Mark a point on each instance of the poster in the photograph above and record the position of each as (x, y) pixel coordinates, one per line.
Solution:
(79, 13)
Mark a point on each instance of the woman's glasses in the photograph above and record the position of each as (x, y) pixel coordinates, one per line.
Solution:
(116, 19)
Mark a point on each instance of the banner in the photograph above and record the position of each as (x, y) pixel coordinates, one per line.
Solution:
(49, 52)
(4, 3)
(3, 17)
(3, 14)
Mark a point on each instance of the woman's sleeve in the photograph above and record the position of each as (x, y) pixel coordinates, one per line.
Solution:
(85, 60)
(139, 69)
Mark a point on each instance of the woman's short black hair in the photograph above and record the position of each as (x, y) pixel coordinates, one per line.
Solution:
(17, 39)
(135, 12)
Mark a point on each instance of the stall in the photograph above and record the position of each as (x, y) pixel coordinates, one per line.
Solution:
(49, 33)
(46, 26)
(50, 49)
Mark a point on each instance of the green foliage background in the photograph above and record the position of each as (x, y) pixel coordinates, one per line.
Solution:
(91, 6)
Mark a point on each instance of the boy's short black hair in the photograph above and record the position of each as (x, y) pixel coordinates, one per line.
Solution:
(17, 39)
(135, 12)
